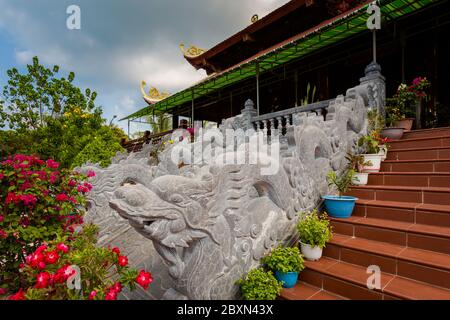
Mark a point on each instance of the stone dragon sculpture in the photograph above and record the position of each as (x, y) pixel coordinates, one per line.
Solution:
(211, 223)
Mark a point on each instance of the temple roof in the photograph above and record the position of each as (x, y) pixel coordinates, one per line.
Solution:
(326, 33)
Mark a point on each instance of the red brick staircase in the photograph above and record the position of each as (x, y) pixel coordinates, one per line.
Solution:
(401, 223)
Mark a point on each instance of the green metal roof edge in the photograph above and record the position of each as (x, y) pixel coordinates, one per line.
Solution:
(353, 23)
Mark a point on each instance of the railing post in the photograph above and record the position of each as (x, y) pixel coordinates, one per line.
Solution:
(376, 87)
(248, 113)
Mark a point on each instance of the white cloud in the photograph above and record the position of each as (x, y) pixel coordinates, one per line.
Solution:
(122, 43)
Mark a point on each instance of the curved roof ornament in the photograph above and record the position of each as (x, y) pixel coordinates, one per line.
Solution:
(153, 96)
(192, 51)
(255, 18)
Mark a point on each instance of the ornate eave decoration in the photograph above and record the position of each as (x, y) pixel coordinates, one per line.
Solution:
(192, 51)
(153, 96)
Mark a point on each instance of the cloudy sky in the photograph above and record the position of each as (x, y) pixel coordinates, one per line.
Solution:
(121, 42)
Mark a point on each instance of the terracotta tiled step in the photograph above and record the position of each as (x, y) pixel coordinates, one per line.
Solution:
(420, 265)
(426, 237)
(419, 165)
(419, 153)
(417, 179)
(427, 142)
(412, 212)
(305, 291)
(429, 195)
(350, 281)
(426, 133)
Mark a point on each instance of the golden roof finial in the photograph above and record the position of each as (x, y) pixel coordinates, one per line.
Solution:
(153, 95)
(254, 18)
(192, 51)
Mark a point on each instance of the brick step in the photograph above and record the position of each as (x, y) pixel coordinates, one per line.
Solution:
(419, 153)
(417, 264)
(417, 165)
(305, 291)
(419, 179)
(426, 133)
(350, 281)
(426, 142)
(429, 195)
(411, 212)
(420, 236)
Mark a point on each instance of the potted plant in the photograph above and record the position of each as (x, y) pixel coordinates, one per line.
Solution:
(314, 232)
(259, 285)
(393, 130)
(370, 144)
(357, 163)
(340, 206)
(286, 262)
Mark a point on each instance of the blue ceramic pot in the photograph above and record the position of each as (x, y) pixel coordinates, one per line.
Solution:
(339, 207)
(288, 279)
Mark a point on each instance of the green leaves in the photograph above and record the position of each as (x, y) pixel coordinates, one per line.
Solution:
(259, 285)
(313, 229)
(284, 259)
(341, 182)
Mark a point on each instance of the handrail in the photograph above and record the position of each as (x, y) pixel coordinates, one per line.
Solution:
(309, 107)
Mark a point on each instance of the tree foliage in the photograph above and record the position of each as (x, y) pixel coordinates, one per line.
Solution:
(50, 116)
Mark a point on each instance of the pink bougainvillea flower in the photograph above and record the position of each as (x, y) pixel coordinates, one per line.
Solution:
(3, 234)
(62, 197)
(92, 295)
(53, 177)
(116, 251)
(20, 295)
(42, 280)
(52, 164)
(63, 273)
(123, 261)
(111, 295)
(11, 197)
(117, 287)
(73, 200)
(51, 257)
(2, 176)
(144, 279)
(41, 248)
(26, 185)
(3, 291)
(72, 183)
(62, 247)
(28, 199)
(90, 174)
(2, 218)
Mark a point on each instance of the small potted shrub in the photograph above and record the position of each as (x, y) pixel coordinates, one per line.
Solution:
(393, 130)
(370, 144)
(259, 285)
(314, 232)
(357, 163)
(286, 262)
(340, 206)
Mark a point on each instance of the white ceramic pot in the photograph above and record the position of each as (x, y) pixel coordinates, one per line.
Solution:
(383, 152)
(360, 178)
(375, 159)
(310, 252)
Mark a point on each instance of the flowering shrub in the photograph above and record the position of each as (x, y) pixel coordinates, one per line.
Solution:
(402, 104)
(102, 272)
(38, 203)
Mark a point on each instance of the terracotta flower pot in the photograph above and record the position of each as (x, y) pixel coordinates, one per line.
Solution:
(394, 133)
(406, 123)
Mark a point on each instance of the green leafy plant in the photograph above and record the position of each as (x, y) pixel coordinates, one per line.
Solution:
(370, 143)
(376, 121)
(356, 162)
(49, 116)
(102, 273)
(259, 285)
(310, 96)
(284, 259)
(342, 181)
(38, 202)
(313, 229)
